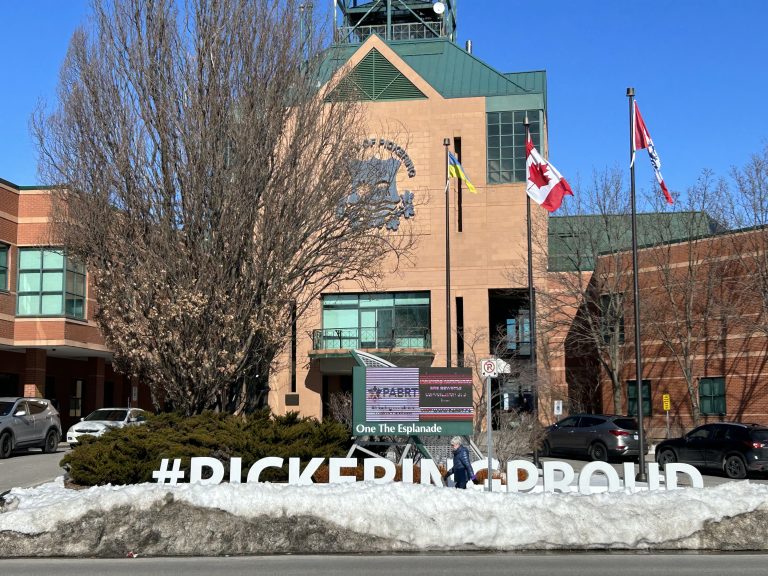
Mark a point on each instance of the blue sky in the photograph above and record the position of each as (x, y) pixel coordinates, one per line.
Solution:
(698, 68)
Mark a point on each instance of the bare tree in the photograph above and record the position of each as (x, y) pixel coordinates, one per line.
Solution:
(582, 304)
(686, 301)
(205, 182)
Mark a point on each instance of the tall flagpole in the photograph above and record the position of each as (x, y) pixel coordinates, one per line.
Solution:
(641, 476)
(531, 304)
(446, 143)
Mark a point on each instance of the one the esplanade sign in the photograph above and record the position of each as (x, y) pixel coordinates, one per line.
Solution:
(556, 476)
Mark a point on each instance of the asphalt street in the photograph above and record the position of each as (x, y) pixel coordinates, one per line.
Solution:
(30, 468)
(422, 564)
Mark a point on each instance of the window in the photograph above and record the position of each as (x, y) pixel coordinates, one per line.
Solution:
(712, 395)
(376, 320)
(50, 284)
(519, 334)
(506, 144)
(3, 267)
(612, 318)
(75, 399)
(632, 398)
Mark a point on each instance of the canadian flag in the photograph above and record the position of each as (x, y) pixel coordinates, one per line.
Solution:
(545, 185)
(642, 139)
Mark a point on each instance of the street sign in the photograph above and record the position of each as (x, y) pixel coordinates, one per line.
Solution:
(665, 401)
(558, 407)
(488, 368)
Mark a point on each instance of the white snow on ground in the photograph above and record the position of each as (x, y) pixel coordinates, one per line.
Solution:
(425, 516)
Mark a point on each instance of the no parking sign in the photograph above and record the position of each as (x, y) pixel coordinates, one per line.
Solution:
(488, 368)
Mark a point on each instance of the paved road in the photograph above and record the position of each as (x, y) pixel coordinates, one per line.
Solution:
(422, 564)
(30, 468)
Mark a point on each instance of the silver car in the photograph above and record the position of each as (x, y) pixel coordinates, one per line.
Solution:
(28, 423)
(103, 419)
(596, 436)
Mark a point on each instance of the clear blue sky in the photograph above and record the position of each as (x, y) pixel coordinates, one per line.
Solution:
(698, 68)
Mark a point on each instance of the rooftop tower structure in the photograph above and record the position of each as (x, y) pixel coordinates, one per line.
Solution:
(357, 20)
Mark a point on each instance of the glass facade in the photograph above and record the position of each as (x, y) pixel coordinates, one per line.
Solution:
(506, 144)
(712, 395)
(375, 320)
(49, 284)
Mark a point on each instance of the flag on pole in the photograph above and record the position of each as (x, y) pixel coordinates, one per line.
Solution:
(544, 184)
(456, 171)
(642, 139)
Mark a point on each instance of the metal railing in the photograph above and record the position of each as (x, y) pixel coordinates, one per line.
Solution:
(359, 34)
(362, 338)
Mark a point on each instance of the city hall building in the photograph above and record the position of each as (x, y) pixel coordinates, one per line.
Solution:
(420, 91)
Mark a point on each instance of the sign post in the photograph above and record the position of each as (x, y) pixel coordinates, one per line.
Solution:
(667, 405)
(489, 370)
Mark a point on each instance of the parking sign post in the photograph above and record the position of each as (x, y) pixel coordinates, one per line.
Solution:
(489, 370)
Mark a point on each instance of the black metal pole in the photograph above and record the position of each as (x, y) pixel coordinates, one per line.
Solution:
(531, 305)
(641, 475)
(446, 143)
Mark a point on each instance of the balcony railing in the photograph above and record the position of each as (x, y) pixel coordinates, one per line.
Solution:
(362, 338)
(411, 31)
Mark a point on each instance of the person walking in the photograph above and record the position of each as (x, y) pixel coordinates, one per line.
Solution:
(462, 468)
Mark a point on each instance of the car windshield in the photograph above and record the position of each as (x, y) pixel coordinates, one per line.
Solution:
(626, 423)
(6, 407)
(111, 415)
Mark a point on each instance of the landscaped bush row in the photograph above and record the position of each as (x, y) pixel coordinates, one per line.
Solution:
(130, 455)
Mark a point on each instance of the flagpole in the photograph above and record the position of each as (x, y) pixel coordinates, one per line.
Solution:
(531, 305)
(446, 143)
(641, 476)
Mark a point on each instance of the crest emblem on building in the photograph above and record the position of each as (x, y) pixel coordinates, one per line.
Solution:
(375, 182)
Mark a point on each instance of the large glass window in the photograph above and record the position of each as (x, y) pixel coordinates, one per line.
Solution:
(712, 395)
(49, 284)
(506, 144)
(378, 320)
(3, 267)
(632, 398)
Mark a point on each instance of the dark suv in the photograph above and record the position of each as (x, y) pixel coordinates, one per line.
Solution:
(28, 423)
(596, 436)
(731, 447)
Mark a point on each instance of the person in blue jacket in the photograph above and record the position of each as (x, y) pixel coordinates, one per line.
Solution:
(462, 468)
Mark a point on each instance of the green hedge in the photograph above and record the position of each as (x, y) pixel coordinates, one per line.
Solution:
(130, 455)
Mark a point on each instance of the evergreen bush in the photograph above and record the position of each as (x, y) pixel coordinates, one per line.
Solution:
(129, 455)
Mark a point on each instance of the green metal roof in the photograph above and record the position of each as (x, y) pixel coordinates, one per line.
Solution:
(603, 234)
(451, 71)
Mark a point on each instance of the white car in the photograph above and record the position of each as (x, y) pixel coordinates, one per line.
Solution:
(98, 422)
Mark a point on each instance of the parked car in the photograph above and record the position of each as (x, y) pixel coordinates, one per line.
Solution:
(28, 423)
(99, 421)
(595, 436)
(730, 447)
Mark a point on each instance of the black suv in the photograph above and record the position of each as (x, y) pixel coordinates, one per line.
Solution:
(731, 447)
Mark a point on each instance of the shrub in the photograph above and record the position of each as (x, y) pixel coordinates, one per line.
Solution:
(130, 455)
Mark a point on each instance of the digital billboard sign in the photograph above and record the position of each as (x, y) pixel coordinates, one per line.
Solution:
(412, 401)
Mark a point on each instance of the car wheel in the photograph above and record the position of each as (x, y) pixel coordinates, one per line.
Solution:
(598, 452)
(735, 468)
(51, 442)
(546, 449)
(6, 445)
(666, 457)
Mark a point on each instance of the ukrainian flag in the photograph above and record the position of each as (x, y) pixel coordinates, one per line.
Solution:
(456, 171)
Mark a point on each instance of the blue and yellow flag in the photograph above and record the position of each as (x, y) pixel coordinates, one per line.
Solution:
(456, 171)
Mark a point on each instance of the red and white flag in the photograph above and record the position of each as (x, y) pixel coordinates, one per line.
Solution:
(545, 185)
(642, 139)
